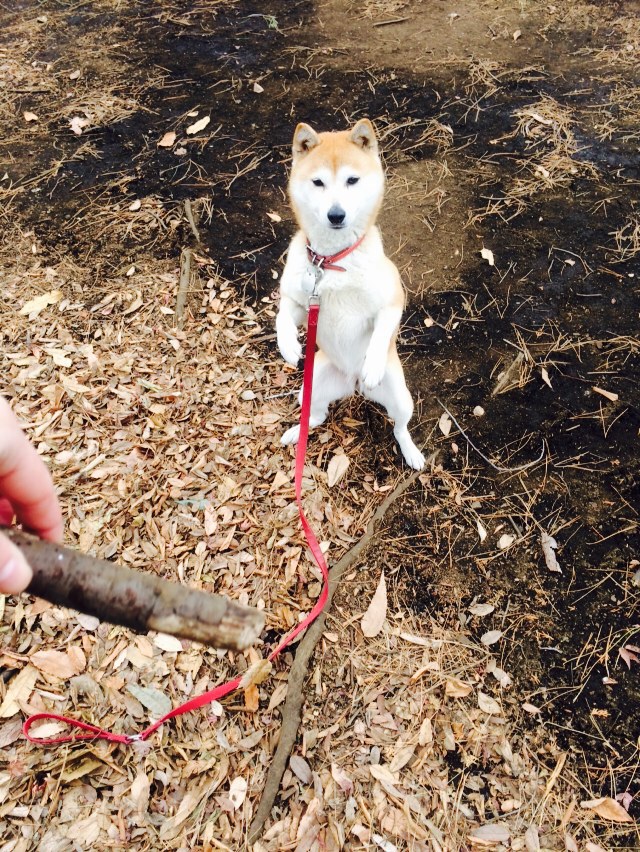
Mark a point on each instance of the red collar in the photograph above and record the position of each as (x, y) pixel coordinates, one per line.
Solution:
(328, 261)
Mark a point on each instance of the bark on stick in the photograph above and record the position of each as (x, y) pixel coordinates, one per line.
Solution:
(132, 599)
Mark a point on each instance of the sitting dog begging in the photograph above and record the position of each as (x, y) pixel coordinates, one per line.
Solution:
(336, 188)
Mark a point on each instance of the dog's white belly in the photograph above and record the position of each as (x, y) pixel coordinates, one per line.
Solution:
(343, 336)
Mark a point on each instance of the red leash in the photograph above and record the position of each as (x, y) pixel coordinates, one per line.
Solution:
(92, 732)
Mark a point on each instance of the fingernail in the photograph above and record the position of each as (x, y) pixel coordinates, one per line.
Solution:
(15, 576)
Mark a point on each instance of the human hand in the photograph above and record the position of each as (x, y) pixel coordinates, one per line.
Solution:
(26, 492)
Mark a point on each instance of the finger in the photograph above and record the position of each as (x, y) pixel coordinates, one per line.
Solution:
(15, 573)
(26, 483)
(6, 512)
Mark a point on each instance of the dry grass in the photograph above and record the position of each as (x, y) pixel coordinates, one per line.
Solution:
(548, 162)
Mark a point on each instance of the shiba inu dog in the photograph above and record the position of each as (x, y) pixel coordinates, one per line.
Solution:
(336, 188)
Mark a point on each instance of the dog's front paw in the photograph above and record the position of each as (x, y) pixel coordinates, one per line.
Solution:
(291, 436)
(290, 347)
(374, 369)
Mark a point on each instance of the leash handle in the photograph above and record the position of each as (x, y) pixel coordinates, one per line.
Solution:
(93, 732)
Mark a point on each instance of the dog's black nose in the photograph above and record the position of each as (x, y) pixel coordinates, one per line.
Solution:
(336, 215)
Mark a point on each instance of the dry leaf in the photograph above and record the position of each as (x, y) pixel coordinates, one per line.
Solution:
(139, 792)
(56, 663)
(374, 617)
(487, 255)
(401, 758)
(157, 703)
(20, 688)
(252, 698)
(382, 773)
(47, 730)
(425, 735)
(197, 126)
(10, 732)
(607, 808)
(34, 306)
(503, 678)
(481, 609)
(488, 835)
(549, 545)
(337, 468)
(170, 644)
(277, 696)
(612, 397)
(457, 688)
(491, 637)
(188, 804)
(301, 768)
(167, 140)
(488, 704)
(78, 124)
(342, 779)
(532, 839)
(257, 673)
(444, 423)
(60, 357)
(626, 652)
(570, 844)
(382, 843)
(133, 307)
(237, 791)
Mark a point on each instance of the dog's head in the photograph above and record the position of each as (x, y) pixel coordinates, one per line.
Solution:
(337, 181)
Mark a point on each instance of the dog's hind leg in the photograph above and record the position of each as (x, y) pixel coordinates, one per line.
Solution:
(329, 384)
(393, 394)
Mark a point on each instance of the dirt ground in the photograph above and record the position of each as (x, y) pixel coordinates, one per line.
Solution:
(497, 707)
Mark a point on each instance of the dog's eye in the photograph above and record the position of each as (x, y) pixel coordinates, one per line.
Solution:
(317, 182)
(352, 180)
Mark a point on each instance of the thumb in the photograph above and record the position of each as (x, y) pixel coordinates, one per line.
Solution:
(15, 573)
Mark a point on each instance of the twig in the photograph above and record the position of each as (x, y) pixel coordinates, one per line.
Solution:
(183, 286)
(292, 710)
(497, 467)
(191, 219)
(390, 21)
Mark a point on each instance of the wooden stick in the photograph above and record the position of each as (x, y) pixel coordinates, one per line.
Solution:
(191, 219)
(183, 286)
(132, 599)
(292, 710)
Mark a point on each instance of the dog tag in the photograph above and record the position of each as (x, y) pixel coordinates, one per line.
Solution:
(310, 278)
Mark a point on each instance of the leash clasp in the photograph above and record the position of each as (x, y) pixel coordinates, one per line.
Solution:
(314, 298)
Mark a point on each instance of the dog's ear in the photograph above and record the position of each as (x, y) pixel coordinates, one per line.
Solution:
(304, 140)
(364, 136)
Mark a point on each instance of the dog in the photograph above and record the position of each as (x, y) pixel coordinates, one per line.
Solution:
(336, 188)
